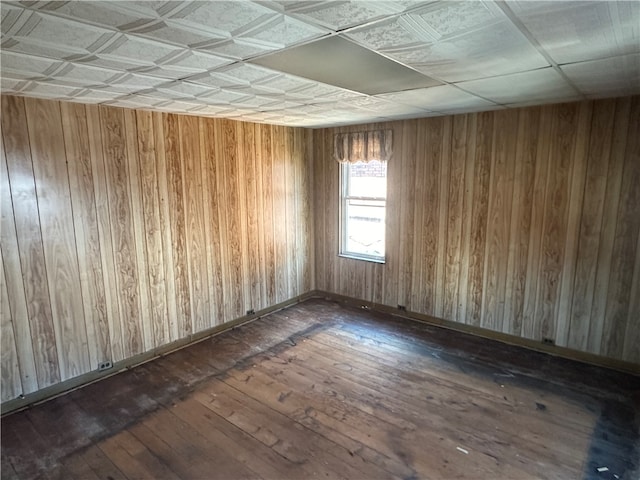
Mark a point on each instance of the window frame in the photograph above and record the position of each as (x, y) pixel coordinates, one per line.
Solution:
(345, 180)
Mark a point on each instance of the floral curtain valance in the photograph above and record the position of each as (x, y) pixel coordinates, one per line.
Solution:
(362, 146)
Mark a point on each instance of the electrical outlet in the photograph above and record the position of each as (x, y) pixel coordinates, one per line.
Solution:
(402, 307)
(105, 365)
(251, 312)
(548, 341)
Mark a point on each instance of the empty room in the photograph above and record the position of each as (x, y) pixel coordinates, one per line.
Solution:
(320, 239)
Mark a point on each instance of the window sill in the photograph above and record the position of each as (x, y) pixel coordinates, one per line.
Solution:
(364, 258)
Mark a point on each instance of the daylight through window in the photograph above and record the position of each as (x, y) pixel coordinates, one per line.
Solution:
(363, 208)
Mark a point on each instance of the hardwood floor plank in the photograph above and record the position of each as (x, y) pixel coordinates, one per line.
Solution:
(133, 458)
(322, 390)
(294, 442)
(100, 464)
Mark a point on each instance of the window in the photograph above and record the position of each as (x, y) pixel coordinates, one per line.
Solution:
(362, 210)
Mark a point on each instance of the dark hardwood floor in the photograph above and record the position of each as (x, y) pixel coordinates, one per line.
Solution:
(320, 390)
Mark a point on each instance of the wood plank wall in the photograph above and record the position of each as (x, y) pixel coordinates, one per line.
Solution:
(522, 221)
(126, 230)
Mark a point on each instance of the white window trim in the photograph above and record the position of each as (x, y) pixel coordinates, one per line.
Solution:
(342, 237)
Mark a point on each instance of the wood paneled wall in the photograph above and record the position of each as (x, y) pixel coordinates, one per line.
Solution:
(521, 221)
(125, 230)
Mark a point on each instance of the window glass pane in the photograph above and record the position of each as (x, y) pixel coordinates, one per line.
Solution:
(368, 179)
(365, 227)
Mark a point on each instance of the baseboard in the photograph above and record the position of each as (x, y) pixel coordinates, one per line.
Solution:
(556, 350)
(85, 379)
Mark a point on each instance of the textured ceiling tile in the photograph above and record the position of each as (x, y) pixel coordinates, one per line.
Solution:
(258, 102)
(608, 77)
(238, 49)
(177, 90)
(46, 35)
(95, 96)
(577, 31)
(284, 31)
(247, 74)
(12, 85)
(221, 97)
(445, 19)
(194, 62)
(286, 83)
(439, 98)
(393, 33)
(540, 84)
(26, 66)
(132, 82)
(170, 32)
(51, 90)
(12, 18)
(323, 93)
(129, 48)
(84, 75)
(108, 14)
(496, 50)
(222, 16)
(339, 15)
(215, 80)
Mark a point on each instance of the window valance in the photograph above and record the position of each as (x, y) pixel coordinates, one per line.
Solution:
(363, 146)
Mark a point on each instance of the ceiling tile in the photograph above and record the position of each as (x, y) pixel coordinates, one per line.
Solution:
(577, 31)
(84, 75)
(170, 32)
(108, 14)
(608, 77)
(54, 37)
(46, 89)
(339, 15)
(238, 49)
(446, 19)
(283, 31)
(128, 48)
(19, 65)
(394, 33)
(439, 98)
(230, 17)
(492, 51)
(543, 84)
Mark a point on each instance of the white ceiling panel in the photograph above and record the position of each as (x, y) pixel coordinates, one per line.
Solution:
(339, 15)
(111, 14)
(281, 32)
(498, 49)
(18, 65)
(543, 84)
(615, 76)
(203, 56)
(448, 19)
(222, 17)
(441, 98)
(572, 31)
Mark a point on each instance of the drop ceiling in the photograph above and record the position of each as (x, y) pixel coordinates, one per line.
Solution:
(208, 57)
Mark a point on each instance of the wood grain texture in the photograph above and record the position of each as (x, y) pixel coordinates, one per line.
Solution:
(56, 221)
(29, 244)
(124, 230)
(11, 383)
(523, 221)
(81, 186)
(16, 302)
